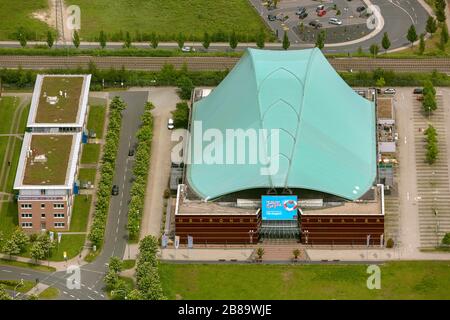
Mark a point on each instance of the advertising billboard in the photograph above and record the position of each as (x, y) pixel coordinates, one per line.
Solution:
(279, 207)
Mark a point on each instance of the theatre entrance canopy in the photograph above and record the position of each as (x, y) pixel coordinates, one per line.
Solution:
(325, 132)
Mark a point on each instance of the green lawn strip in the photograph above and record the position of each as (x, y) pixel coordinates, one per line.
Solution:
(3, 144)
(70, 243)
(399, 280)
(49, 293)
(21, 264)
(90, 154)
(16, 14)
(23, 119)
(80, 213)
(128, 264)
(168, 19)
(96, 119)
(8, 106)
(87, 174)
(8, 218)
(11, 284)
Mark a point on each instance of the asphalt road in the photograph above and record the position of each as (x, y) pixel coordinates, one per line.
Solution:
(91, 284)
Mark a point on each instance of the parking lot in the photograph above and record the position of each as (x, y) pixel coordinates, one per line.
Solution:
(350, 19)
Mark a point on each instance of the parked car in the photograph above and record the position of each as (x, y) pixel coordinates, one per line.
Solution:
(282, 17)
(170, 124)
(360, 9)
(115, 190)
(188, 49)
(335, 21)
(272, 17)
(320, 7)
(300, 11)
(418, 91)
(389, 91)
(321, 13)
(131, 152)
(303, 15)
(316, 24)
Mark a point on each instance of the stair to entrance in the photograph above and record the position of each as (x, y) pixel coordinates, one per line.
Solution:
(283, 251)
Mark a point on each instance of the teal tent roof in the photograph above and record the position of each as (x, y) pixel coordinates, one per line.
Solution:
(326, 130)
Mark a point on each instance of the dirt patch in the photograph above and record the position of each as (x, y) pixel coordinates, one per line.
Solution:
(47, 16)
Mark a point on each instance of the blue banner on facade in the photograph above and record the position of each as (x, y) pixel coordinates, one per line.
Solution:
(279, 207)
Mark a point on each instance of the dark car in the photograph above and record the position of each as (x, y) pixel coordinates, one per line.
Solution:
(131, 152)
(115, 190)
(418, 91)
(360, 9)
(303, 15)
(271, 17)
(315, 24)
(300, 11)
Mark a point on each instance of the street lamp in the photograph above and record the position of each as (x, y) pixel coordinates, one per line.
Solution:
(15, 288)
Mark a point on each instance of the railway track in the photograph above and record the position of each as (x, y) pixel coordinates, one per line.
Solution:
(212, 63)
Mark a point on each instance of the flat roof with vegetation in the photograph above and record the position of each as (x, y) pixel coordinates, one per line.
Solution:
(59, 99)
(48, 160)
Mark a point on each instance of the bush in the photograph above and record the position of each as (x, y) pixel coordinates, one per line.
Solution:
(390, 243)
(181, 115)
(166, 194)
(446, 239)
(110, 148)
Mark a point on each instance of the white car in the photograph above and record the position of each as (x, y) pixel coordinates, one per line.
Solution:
(389, 91)
(170, 124)
(335, 21)
(188, 49)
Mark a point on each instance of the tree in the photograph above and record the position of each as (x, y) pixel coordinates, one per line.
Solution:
(286, 42)
(260, 39)
(374, 49)
(181, 115)
(320, 41)
(50, 39)
(428, 88)
(180, 40)
(444, 37)
(446, 239)
(11, 248)
(296, 253)
(37, 251)
(429, 103)
(154, 40)
(3, 294)
(21, 239)
(431, 26)
(21, 37)
(186, 86)
(206, 40)
(385, 42)
(111, 280)
(421, 44)
(76, 39)
(115, 264)
(440, 15)
(127, 43)
(135, 295)
(102, 39)
(380, 82)
(260, 253)
(412, 34)
(233, 40)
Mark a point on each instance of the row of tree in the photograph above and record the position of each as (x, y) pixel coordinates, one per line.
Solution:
(148, 283)
(140, 172)
(107, 171)
(432, 144)
(19, 242)
(429, 103)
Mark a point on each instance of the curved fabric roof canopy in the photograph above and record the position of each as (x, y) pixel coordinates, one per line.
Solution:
(326, 130)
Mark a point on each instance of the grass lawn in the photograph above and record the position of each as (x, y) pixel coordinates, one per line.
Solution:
(11, 284)
(80, 213)
(71, 243)
(167, 18)
(128, 264)
(399, 280)
(91, 153)
(96, 119)
(15, 14)
(26, 265)
(129, 283)
(49, 293)
(7, 107)
(86, 174)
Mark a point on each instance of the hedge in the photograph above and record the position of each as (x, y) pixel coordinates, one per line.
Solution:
(110, 148)
(140, 172)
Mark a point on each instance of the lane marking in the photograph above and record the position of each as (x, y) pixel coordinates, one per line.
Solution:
(90, 298)
(9, 271)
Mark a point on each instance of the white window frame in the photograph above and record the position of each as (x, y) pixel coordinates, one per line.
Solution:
(58, 206)
(56, 215)
(26, 206)
(27, 225)
(26, 215)
(59, 225)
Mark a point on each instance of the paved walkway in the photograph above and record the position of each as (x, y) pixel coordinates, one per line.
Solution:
(164, 100)
(37, 289)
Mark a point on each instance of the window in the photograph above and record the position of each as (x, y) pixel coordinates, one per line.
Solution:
(42, 215)
(42, 205)
(26, 215)
(59, 224)
(58, 206)
(58, 215)
(25, 205)
(27, 225)
(42, 192)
